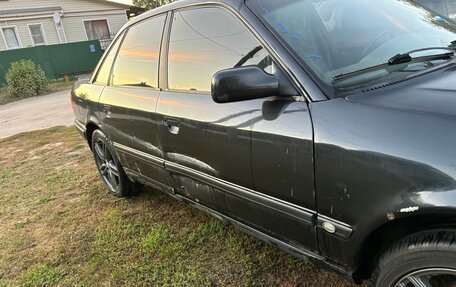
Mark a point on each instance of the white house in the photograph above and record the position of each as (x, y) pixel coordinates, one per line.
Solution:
(29, 23)
(444, 7)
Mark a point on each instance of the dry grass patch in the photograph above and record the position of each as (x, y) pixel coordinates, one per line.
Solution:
(60, 227)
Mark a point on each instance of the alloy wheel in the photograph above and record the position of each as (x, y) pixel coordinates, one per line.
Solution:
(432, 277)
(106, 165)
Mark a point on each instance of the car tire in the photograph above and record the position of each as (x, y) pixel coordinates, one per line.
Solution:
(109, 167)
(422, 259)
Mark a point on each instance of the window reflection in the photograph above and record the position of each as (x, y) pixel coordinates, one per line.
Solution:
(105, 70)
(205, 41)
(137, 61)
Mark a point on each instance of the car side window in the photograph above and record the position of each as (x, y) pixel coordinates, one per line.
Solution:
(137, 61)
(204, 41)
(104, 71)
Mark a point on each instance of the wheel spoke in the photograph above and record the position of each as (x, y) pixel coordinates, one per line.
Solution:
(106, 152)
(443, 277)
(419, 281)
(103, 169)
(100, 150)
(113, 168)
(112, 180)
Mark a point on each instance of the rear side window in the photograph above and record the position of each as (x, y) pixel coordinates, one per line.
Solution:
(105, 70)
(137, 61)
(206, 40)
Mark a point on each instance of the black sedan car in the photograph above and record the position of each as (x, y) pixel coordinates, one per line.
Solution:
(326, 127)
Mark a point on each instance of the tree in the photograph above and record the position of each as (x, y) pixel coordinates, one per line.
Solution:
(150, 4)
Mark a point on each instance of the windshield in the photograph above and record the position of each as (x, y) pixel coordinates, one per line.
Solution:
(333, 37)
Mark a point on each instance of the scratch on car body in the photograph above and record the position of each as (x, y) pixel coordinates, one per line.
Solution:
(409, 209)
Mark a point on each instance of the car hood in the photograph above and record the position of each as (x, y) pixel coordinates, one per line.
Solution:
(431, 93)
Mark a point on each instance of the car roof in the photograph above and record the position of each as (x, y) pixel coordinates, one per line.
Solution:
(237, 4)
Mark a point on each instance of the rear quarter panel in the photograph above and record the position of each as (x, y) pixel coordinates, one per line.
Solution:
(85, 97)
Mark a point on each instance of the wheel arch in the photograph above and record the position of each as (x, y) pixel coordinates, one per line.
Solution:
(90, 128)
(381, 238)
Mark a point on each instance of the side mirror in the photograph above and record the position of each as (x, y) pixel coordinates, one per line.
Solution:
(243, 83)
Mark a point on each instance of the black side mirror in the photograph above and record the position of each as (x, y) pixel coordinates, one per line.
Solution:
(243, 83)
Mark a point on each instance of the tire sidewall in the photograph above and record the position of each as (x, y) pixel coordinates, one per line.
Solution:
(411, 258)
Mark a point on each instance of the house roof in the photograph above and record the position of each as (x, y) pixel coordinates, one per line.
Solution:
(30, 10)
(15, 12)
(116, 3)
(132, 10)
(57, 8)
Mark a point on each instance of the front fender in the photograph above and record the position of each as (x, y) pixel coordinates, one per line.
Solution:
(375, 166)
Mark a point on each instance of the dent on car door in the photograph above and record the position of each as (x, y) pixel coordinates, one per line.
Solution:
(128, 104)
(208, 146)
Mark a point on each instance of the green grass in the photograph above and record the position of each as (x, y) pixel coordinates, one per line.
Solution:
(158, 236)
(40, 275)
(60, 227)
(53, 86)
(59, 85)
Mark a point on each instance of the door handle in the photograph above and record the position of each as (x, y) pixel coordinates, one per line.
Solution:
(107, 111)
(173, 125)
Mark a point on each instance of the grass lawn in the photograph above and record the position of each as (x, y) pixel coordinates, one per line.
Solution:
(53, 86)
(60, 227)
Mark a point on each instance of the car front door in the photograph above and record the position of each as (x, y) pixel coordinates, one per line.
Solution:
(208, 147)
(128, 103)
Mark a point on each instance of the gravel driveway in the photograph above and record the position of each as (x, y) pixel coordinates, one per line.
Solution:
(36, 113)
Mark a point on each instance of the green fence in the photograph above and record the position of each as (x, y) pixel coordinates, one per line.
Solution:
(56, 60)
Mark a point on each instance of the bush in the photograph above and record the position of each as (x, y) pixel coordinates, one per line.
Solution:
(25, 79)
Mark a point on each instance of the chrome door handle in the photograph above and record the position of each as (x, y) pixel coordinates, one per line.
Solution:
(173, 125)
(107, 111)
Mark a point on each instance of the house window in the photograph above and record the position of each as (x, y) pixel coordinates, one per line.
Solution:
(97, 29)
(11, 37)
(444, 7)
(37, 34)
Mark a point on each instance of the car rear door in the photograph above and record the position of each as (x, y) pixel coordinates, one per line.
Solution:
(86, 95)
(208, 147)
(128, 103)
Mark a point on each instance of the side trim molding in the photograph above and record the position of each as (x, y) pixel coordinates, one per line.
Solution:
(308, 255)
(341, 230)
(248, 194)
(140, 155)
(149, 181)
